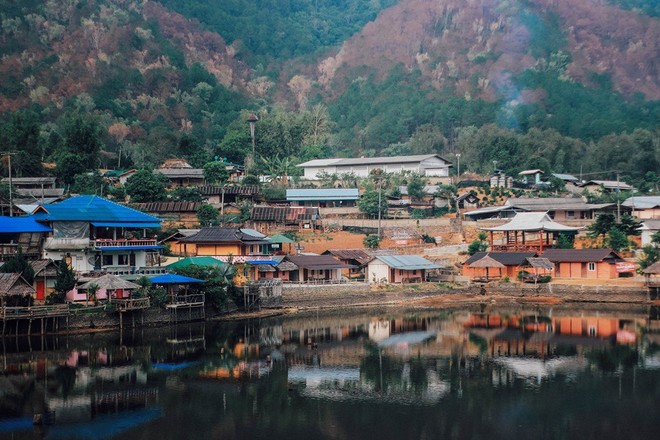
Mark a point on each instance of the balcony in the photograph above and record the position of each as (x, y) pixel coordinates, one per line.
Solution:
(122, 243)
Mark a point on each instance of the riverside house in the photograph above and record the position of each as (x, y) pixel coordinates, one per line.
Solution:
(601, 264)
(399, 269)
(93, 233)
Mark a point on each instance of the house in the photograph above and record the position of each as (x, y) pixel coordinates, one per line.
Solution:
(316, 269)
(649, 228)
(182, 176)
(357, 258)
(399, 269)
(557, 208)
(588, 263)
(173, 214)
(509, 264)
(528, 231)
(605, 186)
(45, 275)
(500, 180)
(35, 187)
(237, 243)
(531, 177)
(644, 207)
(24, 233)
(429, 165)
(14, 290)
(172, 241)
(566, 178)
(93, 233)
(468, 200)
(265, 218)
(219, 195)
(323, 197)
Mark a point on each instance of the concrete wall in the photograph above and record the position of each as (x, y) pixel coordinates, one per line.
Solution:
(623, 294)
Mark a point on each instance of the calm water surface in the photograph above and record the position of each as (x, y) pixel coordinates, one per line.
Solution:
(478, 373)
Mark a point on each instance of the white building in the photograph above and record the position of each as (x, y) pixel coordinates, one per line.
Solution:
(429, 165)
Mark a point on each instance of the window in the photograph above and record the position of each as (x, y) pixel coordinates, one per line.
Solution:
(122, 260)
(107, 260)
(414, 272)
(570, 214)
(591, 267)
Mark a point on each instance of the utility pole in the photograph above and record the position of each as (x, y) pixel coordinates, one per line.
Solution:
(252, 119)
(9, 154)
(618, 199)
(380, 187)
(458, 169)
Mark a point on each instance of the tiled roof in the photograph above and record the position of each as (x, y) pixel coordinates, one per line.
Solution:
(94, 209)
(216, 190)
(407, 262)
(282, 214)
(224, 235)
(580, 255)
(506, 258)
(167, 207)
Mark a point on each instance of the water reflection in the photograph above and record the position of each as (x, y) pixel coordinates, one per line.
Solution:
(486, 372)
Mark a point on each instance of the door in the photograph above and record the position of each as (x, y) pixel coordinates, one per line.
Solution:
(41, 290)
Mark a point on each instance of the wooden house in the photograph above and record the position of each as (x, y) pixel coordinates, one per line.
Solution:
(601, 264)
(45, 275)
(24, 233)
(399, 269)
(173, 214)
(509, 264)
(218, 195)
(316, 269)
(222, 241)
(644, 207)
(357, 258)
(267, 218)
(15, 290)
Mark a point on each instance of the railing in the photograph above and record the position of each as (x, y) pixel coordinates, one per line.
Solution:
(520, 247)
(34, 312)
(318, 281)
(187, 300)
(10, 250)
(124, 305)
(121, 242)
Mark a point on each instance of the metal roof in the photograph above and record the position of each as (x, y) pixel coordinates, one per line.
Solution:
(174, 173)
(284, 214)
(541, 263)
(212, 190)
(406, 262)
(168, 207)
(580, 255)
(226, 235)
(322, 194)
(16, 225)
(642, 202)
(610, 184)
(196, 261)
(371, 160)
(650, 225)
(93, 208)
(532, 222)
(567, 177)
(362, 256)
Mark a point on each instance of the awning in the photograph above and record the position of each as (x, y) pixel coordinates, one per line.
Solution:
(129, 248)
(133, 225)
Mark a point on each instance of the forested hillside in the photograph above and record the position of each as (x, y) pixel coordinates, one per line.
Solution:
(558, 84)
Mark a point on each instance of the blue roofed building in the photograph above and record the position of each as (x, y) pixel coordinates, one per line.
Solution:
(93, 233)
(323, 197)
(24, 233)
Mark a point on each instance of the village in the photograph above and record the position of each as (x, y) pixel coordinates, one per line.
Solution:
(375, 224)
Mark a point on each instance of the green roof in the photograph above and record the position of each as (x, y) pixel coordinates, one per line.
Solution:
(279, 238)
(195, 261)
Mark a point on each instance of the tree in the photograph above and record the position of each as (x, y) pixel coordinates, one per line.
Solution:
(368, 203)
(416, 186)
(629, 226)
(372, 241)
(207, 215)
(19, 264)
(478, 245)
(68, 165)
(146, 186)
(82, 136)
(651, 253)
(65, 281)
(217, 287)
(565, 241)
(617, 239)
(186, 193)
(250, 180)
(216, 172)
(89, 183)
(601, 226)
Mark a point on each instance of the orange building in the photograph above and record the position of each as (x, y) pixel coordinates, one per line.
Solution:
(512, 263)
(588, 263)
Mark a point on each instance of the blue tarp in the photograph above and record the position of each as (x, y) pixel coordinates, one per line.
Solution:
(16, 225)
(105, 427)
(173, 367)
(170, 278)
(94, 209)
(260, 262)
(14, 425)
(128, 248)
(147, 225)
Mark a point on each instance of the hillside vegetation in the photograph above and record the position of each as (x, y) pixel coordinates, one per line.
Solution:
(558, 84)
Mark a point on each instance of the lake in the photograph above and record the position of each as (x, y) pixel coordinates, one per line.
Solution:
(476, 372)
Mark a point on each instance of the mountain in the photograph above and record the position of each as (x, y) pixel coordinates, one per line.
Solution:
(154, 79)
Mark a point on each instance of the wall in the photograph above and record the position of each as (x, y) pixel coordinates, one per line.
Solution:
(377, 271)
(568, 292)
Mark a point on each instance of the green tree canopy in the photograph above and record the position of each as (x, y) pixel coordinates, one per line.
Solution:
(146, 186)
(216, 172)
(207, 215)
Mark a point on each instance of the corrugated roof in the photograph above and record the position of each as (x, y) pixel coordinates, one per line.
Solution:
(168, 207)
(322, 194)
(610, 184)
(174, 173)
(506, 258)
(567, 177)
(94, 208)
(16, 225)
(371, 160)
(532, 222)
(407, 262)
(580, 255)
(362, 256)
(541, 263)
(213, 190)
(651, 225)
(317, 262)
(642, 202)
(283, 214)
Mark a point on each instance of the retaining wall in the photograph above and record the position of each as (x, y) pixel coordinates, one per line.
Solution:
(569, 292)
